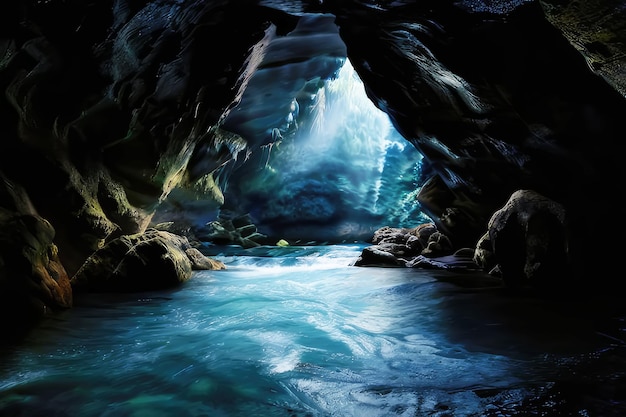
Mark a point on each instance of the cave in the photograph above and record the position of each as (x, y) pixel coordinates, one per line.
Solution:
(312, 208)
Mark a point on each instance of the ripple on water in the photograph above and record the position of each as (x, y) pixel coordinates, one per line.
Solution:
(312, 336)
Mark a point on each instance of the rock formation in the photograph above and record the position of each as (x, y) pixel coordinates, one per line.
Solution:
(151, 260)
(114, 118)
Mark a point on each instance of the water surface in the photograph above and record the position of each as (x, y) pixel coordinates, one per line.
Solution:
(298, 331)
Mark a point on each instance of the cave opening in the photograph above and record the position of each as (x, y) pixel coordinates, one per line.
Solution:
(323, 163)
(336, 169)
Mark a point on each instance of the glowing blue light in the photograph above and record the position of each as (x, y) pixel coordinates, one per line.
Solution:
(344, 171)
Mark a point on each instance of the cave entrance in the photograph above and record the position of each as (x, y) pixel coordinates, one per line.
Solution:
(325, 164)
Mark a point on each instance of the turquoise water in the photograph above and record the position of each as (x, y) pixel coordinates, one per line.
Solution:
(300, 332)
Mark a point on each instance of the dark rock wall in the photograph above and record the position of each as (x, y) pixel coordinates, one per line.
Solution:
(496, 102)
(105, 103)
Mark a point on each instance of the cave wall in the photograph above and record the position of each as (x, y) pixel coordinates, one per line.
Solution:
(112, 110)
(495, 102)
(503, 99)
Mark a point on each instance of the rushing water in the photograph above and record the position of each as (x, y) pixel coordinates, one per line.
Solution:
(299, 332)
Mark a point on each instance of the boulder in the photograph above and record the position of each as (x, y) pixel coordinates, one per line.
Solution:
(406, 247)
(147, 261)
(379, 256)
(528, 241)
